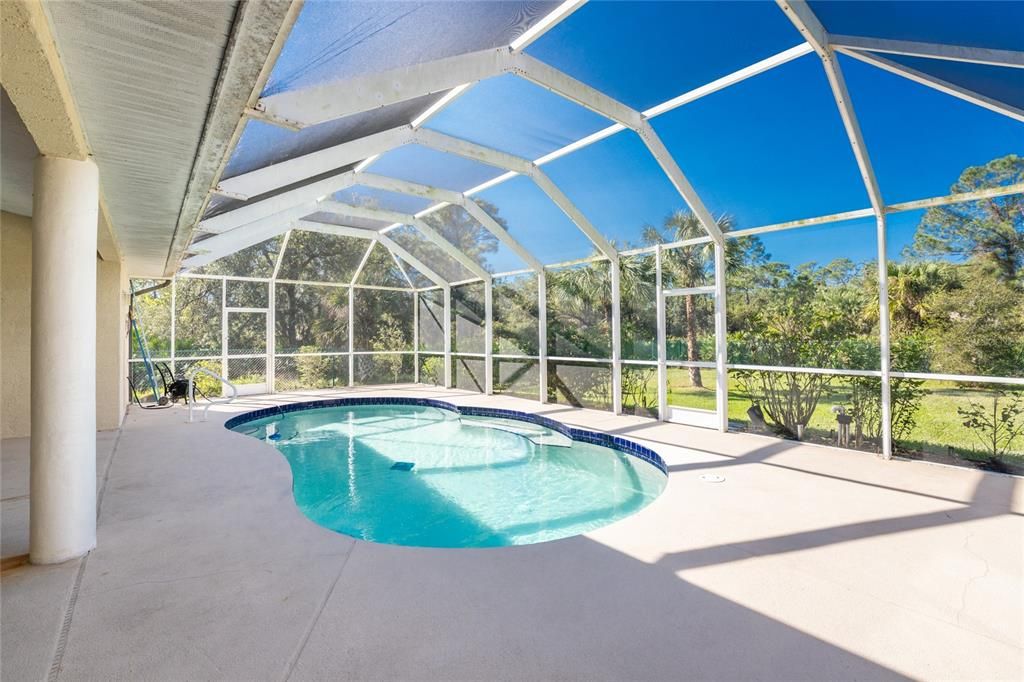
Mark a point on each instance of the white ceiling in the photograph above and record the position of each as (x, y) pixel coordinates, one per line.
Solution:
(143, 77)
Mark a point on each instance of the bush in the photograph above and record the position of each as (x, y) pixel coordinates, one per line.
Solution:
(314, 370)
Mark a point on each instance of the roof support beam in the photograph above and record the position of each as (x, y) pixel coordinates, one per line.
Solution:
(415, 189)
(405, 219)
(342, 98)
(268, 178)
(472, 151)
(293, 212)
(935, 83)
(954, 53)
(576, 91)
(304, 195)
(807, 23)
(221, 245)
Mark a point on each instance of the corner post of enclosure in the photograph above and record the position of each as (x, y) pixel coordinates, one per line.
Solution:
(616, 337)
(351, 335)
(489, 336)
(174, 332)
(542, 334)
(416, 337)
(662, 354)
(223, 330)
(65, 210)
(883, 334)
(447, 337)
(721, 373)
(271, 336)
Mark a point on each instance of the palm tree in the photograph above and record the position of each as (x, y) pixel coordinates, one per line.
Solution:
(582, 297)
(909, 286)
(690, 266)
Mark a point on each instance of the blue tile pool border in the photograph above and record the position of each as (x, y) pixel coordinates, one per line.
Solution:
(623, 445)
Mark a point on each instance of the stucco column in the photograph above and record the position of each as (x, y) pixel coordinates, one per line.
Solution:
(63, 447)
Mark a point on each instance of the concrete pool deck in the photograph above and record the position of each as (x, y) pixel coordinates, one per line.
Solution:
(806, 563)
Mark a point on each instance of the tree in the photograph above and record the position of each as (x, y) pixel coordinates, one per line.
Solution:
(978, 327)
(987, 229)
(690, 266)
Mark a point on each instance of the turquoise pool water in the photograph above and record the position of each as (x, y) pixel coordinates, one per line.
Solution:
(424, 476)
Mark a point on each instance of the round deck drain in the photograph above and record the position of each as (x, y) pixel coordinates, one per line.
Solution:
(712, 478)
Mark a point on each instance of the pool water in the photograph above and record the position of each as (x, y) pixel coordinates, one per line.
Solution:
(424, 476)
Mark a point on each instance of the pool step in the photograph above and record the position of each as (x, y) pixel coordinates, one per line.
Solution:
(534, 432)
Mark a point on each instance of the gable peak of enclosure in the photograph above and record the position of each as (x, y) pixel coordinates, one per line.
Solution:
(524, 170)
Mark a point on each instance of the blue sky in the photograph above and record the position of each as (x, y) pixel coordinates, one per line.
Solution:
(767, 150)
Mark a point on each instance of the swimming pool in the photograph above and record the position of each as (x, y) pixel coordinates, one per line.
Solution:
(426, 473)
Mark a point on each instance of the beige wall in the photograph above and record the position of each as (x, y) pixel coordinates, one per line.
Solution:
(111, 344)
(15, 339)
(15, 318)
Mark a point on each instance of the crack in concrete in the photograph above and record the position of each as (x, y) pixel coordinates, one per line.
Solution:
(246, 569)
(970, 581)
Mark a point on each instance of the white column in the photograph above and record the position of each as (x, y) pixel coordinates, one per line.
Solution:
(416, 337)
(883, 331)
(721, 373)
(616, 338)
(271, 336)
(352, 334)
(542, 333)
(447, 337)
(65, 210)
(488, 337)
(662, 338)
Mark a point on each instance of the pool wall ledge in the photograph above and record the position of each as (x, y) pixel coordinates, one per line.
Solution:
(620, 444)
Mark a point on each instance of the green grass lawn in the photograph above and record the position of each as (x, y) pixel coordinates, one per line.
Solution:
(938, 427)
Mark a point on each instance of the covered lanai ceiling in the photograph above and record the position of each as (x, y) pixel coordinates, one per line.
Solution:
(152, 91)
(541, 121)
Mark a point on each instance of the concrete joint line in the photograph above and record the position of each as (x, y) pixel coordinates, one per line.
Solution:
(294, 661)
(65, 627)
(69, 611)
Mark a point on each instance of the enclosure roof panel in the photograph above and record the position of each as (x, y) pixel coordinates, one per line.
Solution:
(984, 23)
(515, 116)
(333, 41)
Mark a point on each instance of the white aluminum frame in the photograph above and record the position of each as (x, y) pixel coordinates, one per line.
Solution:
(285, 211)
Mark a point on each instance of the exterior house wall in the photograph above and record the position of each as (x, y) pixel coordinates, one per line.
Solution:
(16, 333)
(15, 324)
